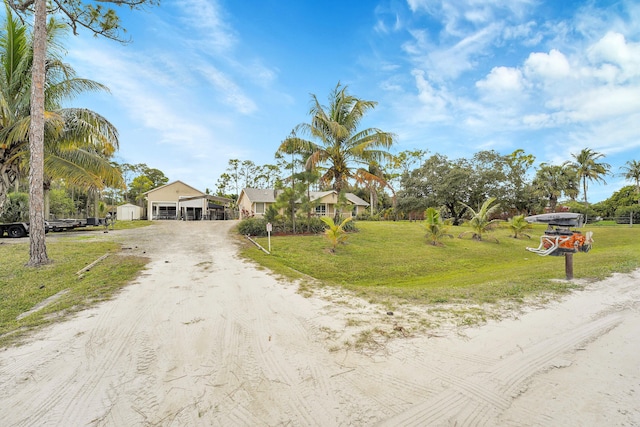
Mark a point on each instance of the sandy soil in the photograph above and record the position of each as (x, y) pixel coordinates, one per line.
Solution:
(205, 339)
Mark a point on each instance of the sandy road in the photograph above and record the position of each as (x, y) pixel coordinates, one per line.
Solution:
(205, 339)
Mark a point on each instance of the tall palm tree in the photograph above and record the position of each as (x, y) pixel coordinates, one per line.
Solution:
(588, 168)
(78, 142)
(339, 145)
(632, 172)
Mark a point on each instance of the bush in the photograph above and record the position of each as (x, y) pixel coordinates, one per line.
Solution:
(16, 208)
(281, 225)
(253, 227)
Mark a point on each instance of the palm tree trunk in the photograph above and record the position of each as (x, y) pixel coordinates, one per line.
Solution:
(37, 249)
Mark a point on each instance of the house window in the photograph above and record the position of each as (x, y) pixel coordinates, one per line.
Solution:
(260, 208)
(321, 210)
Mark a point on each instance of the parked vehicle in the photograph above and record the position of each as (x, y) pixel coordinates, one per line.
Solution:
(16, 229)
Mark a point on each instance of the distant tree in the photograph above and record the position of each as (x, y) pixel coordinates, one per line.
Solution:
(61, 204)
(140, 185)
(632, 173)
(552, 181)
(519, 191)
(438, 182)
(587, 168)
(340, 146)
(481, 222)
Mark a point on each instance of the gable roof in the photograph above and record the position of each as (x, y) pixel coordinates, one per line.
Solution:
(173, 183)
(261, 195)
(269, 195)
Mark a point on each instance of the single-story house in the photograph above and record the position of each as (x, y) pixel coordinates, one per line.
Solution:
(178, 200)
(128, 212)
(256, 201)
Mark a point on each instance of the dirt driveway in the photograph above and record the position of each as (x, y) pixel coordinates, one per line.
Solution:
(205, 339)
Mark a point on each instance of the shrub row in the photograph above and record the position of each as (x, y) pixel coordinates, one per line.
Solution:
(258, 226)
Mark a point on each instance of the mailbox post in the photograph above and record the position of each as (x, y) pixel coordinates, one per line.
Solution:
(269, 228)
(562, 240)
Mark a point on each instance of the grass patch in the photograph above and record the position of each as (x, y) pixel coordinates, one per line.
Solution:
(391, 262)
(23, 288)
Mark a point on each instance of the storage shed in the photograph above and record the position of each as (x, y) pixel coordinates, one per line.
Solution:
(128, 212)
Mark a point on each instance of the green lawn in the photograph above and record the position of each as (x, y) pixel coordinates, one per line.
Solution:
(391, 262)
(22, 288)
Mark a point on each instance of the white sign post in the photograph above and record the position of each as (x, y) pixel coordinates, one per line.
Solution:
(269, 228)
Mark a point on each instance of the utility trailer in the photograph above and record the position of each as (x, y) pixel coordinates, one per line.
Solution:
(18, 229)
(66, 224)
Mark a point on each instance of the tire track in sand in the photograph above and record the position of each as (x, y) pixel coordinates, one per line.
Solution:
(477, 399)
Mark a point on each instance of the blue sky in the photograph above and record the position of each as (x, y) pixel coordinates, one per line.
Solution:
(205, 81)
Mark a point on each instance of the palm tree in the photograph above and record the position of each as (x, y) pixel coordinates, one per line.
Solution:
(552, 181)
(480, 221)
(633, 173)
(78, 142)
(588, 169)
(436, 228)
(335, 234)
(340, 145)
(518, 224)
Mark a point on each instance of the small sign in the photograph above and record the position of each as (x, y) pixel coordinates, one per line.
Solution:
(269, 227)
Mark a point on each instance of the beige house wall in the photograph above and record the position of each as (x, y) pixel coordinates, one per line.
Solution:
(169, 194)
(329, 201)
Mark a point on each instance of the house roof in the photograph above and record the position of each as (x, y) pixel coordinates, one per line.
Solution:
(261, 195)
(173, 183)
(269, 195)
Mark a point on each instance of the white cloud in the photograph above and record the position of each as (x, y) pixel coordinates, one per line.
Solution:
(205, 16)
(433, 103)
(543, 66)
(613, 50)
(231, 92)
(501, 81)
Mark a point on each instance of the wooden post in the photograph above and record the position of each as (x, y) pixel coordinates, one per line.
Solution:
(568, 265)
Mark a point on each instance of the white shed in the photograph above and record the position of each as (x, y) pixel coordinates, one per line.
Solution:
(128, 212)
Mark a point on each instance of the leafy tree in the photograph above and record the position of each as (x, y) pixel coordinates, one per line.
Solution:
(140, 185)
(587, 168)
(438, 182)
(626, 197)
(436, 228)
(518, 225)
(341, 147)
(96, 19)
(142, 178)
(519, 191)
(481, 222)
(336, 234)
(61, 204)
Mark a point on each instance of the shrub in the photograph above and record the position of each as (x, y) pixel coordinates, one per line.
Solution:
(253, 227)
(16, 208)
